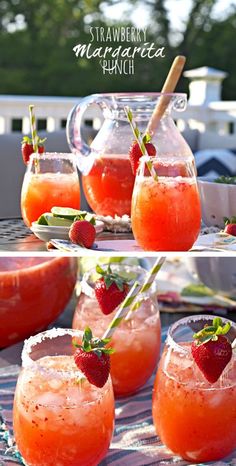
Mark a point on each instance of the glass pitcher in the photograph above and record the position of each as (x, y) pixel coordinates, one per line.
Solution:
(107, 176)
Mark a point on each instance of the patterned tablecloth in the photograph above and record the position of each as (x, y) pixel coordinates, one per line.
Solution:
(134, 442)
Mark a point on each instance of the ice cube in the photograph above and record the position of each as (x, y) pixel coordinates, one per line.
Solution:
(55, 384)
(50, 400)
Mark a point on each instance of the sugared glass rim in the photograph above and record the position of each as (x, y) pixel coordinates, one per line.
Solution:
(188, 158)
(28, 363)
(170, 341)
(139, 94)
(53, 155)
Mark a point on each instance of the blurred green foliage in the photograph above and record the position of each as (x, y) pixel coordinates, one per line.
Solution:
(37, 38)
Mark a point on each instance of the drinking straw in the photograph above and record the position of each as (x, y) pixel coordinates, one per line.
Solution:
(34, 135)
(168, 87)
(147, 284)
(122, 311)
(129, 300)
(140, 142)
(136, 289)
(33, 128)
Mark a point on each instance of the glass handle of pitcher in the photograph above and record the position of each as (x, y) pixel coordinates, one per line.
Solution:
(75, 124)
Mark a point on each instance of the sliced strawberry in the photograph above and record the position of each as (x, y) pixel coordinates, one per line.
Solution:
(212, 350)
(110, 290)
(83, 233)
(135, 154)
(93, 358)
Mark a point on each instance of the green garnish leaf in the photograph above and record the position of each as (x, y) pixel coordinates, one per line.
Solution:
(106, 341)
(99, 269)
(97, 345)
(227, 220)
(211, 332)
(226, 328)
(147, 138)
(87, 334)
(109, 350)
(217, 321)
(108, 281)
(111, 277)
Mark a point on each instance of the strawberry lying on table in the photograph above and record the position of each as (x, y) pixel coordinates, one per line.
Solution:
(230, 226)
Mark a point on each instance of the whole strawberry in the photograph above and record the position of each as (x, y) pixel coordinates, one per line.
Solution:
(230, 229)
(212, 350)
(230, 226)
(110, 290)
(135, 153)
(27, 148)
(82, 232)
(93, 358)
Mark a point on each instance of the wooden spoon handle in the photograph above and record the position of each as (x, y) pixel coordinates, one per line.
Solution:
(169, 87)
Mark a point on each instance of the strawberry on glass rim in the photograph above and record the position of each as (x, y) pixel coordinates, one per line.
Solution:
(135, 152)
(110, 290)
(56, 420)
(137, 339)
(212, 350)
(27, 148)
(194, 396)
(93, 358)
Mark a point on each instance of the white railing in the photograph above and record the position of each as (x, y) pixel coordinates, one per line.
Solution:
(212, 118)
(217, 117)
(51, 112)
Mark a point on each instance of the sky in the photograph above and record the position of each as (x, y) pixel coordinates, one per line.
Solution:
(178, 11)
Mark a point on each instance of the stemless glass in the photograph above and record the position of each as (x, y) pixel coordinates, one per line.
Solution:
(136, 341)
(51, 179)
(107, 176)
(166, 213)
(57, 418)
(195, 419)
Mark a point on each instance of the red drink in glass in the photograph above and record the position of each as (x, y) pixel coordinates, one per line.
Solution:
(109, 185)
(57, 418)
(136, 341)
(52, 182)
(195, 419)
(166, 213)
